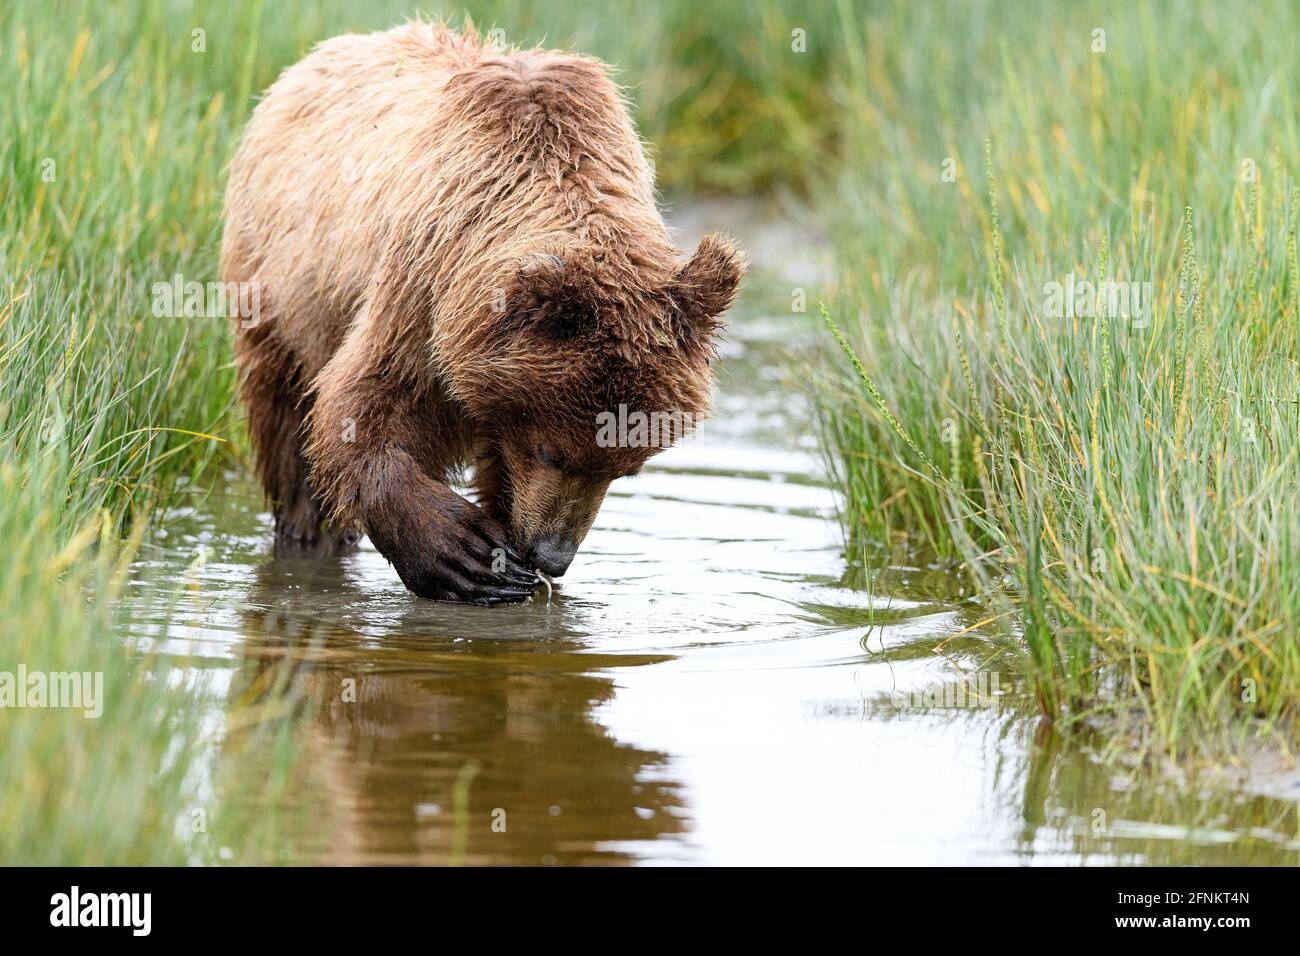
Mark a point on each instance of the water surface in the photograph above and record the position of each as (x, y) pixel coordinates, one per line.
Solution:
(704, 686)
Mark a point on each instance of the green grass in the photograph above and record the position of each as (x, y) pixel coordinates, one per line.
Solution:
(1124, 498)
(116, 137)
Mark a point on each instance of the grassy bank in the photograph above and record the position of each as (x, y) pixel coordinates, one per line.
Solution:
(1121, 486)
(119, 120)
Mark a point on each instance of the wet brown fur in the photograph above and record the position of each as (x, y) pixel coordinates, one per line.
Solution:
(460, 261)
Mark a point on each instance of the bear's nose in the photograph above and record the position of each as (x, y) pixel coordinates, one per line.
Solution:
(553, 557)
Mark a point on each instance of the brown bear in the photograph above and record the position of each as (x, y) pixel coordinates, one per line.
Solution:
(460, 266)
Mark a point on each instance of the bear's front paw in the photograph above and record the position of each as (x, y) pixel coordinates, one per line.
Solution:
(455, 552)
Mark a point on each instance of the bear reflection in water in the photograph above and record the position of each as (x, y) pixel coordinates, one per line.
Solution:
(392, 723)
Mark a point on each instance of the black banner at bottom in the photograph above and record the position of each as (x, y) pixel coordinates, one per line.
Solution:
(337, 905)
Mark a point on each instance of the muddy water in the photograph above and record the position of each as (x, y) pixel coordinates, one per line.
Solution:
(704, 686)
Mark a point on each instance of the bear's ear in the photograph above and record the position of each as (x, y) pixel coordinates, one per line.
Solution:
(556, 296)
(706, 285)
(541, 274)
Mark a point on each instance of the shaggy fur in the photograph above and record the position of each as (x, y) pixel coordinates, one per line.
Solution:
(460, 262)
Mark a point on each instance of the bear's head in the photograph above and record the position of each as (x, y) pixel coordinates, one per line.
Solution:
(583, 365)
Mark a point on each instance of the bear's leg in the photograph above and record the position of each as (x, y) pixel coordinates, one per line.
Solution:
(272, 389)
(379, 448)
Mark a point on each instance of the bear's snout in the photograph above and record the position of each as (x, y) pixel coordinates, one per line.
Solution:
(552, 556)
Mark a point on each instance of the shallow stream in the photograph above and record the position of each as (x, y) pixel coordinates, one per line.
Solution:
(703, 688)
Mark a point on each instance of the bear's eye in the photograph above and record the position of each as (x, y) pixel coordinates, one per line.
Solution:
(549, 458)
